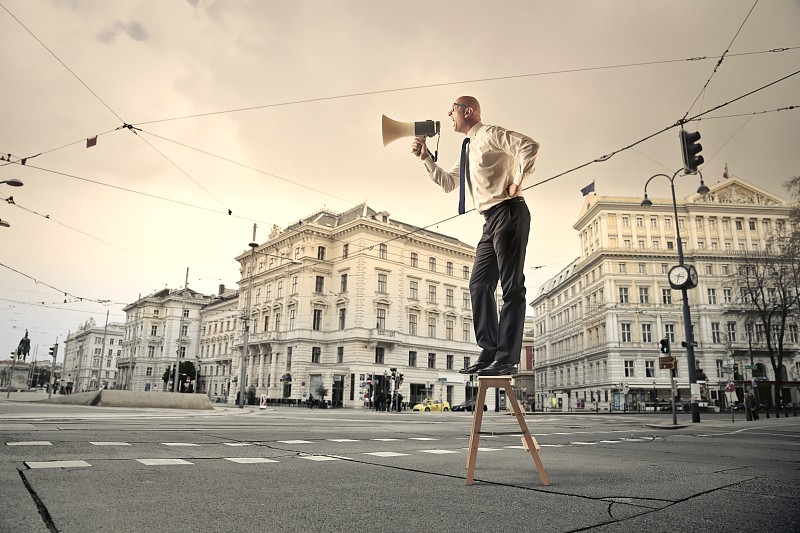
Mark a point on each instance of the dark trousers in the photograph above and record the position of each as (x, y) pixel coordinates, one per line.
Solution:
(500, 256)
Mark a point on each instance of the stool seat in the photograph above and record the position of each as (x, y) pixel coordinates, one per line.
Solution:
(528, 442)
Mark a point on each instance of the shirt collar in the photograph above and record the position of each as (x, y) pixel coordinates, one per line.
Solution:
(473, 131)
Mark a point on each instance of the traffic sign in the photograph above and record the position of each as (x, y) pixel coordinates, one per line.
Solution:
(750, 367)
(730, 387)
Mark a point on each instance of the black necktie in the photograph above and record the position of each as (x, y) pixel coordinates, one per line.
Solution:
(464, 176)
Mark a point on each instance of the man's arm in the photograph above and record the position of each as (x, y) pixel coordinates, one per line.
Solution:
(446, 180)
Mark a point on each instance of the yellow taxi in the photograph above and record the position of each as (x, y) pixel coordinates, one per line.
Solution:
(432, 405)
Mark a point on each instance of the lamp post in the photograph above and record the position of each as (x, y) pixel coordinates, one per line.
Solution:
(12, 183)
(687, 316)
(246, 320)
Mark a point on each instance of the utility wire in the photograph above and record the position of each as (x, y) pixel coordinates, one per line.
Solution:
(451, 83)
(62, 63)
(104, 302)
(719, 62)
(786, 108)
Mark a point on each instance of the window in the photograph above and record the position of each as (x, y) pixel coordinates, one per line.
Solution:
(647, 333)
(732, 331)
(727, 295)
(431, 360)
(148, 371)
(294, 284)
(466, 362)
(449, 268)
(382, 283)
(629, 368)
(383, 251)
(153, 330)
(626, 221)
(277, 321)
(649, 368)
(151, 351)
(449, 362)
(319, 284)
(709, 269)
(317, 320)
(316, 354)
(340, 354)
(321, 253)
(185, 313)
(280, 289)
(666, 296)
(644, 295)
(413, 293)
(432, 264)
(792, 332)
(664, 268)
(626, 332)
(184, 330)
(465, 270)
(414, 259)
(432, 327)
(345, 250)
(342, 317)
(642, 266)
(379, 354)
(381, 316)
(292, 317)
(739, 224)
(412, 359)
(623, 268)
(343, 284)
(155, 313)
(431, 294)
(639, 222)
(449, 324)
(752, 224)
(623, 295)
(465, 301)
(653, 222)
(449, 297)
(669, 332)
(466, 328)
(412, 323)
(715, 333)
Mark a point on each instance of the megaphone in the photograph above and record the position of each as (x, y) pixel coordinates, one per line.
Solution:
(393, 130)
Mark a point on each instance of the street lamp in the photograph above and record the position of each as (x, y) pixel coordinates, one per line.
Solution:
(12, 183)
(687, 317)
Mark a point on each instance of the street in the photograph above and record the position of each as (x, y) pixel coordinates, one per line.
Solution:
(75, 468)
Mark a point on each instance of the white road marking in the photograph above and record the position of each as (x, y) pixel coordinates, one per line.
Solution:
(163, 462)
(439, 451)
(30, 443)
(295, 442)
(57, 464)
(386, 454)
(421, 438)
(386, 440)
(343, 440)
(319, 458)
(179, 444)
(250, 460)
(237, 443)
(108, 443)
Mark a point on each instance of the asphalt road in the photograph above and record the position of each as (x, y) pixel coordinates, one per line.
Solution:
(82, 469)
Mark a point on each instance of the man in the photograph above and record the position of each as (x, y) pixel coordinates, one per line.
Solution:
(495, 162)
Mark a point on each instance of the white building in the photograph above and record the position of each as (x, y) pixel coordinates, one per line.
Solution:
(159, 328)
(599, 321)
(220, 326)
(340, 299)
(90, 356)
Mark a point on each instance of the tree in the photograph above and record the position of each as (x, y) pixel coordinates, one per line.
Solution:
(768, 290)
(321, 391)
(186, 371)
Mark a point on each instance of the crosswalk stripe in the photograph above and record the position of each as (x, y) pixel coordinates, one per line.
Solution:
(108, 443)
(250, 460)
(343, 440)
(179, 444)
(439, 451)
(319, 458)
(56, 464)
(163, 462)
(295, 442)
(30, 443)
(386, 454)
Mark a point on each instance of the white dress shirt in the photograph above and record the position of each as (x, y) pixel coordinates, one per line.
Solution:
(497, 157)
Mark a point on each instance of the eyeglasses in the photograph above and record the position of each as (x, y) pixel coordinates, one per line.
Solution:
(465, 106)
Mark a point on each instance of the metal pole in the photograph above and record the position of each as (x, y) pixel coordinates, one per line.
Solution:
(694, 389)
(11, 378)
(672, 387)
(102, 350)
(246, 320)
(176, 379)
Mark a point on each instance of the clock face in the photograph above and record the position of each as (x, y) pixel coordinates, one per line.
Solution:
(693, 276)
(678, 275)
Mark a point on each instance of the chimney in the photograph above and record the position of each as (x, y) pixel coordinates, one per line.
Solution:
(221, 289)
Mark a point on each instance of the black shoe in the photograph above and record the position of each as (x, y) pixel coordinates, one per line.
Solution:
(480, 365)
(498, 369)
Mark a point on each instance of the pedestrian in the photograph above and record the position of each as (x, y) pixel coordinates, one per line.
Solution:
(494, 163)
(310, 401)
(748, 406)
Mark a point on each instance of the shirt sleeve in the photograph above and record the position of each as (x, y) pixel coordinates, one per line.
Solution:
(520, 146)
(446, 180)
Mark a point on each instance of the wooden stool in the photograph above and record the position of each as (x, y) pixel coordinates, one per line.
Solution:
(528, 441)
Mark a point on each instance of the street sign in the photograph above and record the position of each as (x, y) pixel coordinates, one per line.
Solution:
(727, 369)
(750, 367)
(730, 387)
(666, 363)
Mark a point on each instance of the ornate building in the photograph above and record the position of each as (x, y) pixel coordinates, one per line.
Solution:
(219, 328)
(159, 328)
(599, 321)
(90, 356)
(341, 299)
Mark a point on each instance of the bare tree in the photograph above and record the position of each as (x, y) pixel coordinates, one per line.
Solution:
(768, 290)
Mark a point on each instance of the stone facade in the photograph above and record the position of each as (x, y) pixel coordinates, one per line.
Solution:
(91, 356)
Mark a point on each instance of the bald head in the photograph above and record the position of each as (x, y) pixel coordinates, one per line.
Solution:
(465, 113)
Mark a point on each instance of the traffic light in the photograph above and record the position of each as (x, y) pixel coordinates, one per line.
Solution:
(664, 347)
(691, 150)
(53, 351)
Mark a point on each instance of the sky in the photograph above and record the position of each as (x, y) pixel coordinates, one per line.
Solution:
(272, 110)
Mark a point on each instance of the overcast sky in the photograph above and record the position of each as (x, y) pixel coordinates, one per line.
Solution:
(292, 94)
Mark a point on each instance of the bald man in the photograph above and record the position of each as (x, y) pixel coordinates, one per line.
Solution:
(493, 165)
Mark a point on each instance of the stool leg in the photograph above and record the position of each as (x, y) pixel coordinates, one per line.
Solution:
(474, 437)
(528, 441)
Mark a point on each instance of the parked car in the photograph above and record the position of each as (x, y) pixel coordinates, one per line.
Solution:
(467, 406)
(432, 405)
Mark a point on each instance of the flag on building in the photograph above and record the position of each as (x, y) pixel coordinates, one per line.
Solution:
(91, 141)
(725, 174)
(589, 188)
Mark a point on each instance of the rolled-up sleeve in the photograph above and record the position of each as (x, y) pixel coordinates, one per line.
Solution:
(446, 180)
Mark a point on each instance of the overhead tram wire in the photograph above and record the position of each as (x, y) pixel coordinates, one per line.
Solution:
(460, 82)
(65, 293)
(785, 108)
(719, 62)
